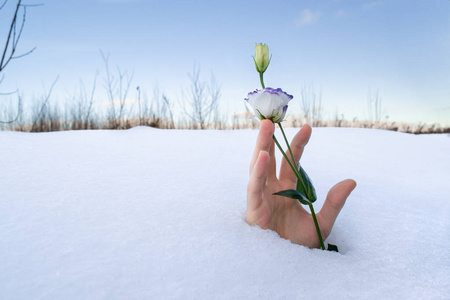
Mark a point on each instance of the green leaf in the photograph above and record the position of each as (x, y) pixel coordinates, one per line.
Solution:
(300, 187)
(293, 194)
(308, 189)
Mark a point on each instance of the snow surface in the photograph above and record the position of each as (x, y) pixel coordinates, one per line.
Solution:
(159, 214)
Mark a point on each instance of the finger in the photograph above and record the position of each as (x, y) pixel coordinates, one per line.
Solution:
(297, 146)
(333, 204)
(263, 142)
(256, 185)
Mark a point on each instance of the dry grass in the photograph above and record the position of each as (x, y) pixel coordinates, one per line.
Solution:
(50, 117)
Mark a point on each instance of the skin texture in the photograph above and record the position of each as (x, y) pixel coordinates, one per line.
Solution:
(284, 215)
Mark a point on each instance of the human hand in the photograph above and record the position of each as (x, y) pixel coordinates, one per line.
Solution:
(284, 215)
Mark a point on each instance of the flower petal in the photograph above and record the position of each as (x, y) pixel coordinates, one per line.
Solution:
(269, 103)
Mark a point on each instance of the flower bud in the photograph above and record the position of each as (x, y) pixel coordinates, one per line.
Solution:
(269, 103)
(261, 57)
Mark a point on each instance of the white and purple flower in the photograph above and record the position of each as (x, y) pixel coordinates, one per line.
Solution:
(269, 103)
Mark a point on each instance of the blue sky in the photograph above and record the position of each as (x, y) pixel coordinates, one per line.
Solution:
(342, 48)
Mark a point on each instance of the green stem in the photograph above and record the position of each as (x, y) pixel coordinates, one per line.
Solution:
(293, 165)
(299, 177)
(289, 147)
(317, 226)
(296, 171)
(262, 80)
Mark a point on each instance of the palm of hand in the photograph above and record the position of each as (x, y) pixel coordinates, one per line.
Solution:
(284, 215)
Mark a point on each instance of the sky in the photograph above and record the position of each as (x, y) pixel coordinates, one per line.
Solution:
(343, 49)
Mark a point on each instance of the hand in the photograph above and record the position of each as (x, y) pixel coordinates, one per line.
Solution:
(284, 215)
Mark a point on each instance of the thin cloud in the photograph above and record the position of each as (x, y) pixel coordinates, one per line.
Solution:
(372, 5)
(307, 17)
(341, 13)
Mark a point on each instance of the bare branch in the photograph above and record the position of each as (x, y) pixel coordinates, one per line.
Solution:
(25, 54)
(32, 5)
(12, 28)
(19, 112)
(91, 99)
(4, 3)
(14, 36)
(9, 93)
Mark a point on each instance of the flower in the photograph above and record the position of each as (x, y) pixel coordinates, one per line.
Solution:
(269, 103)
(261, 57)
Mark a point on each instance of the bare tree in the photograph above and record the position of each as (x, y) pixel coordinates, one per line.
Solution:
(8, 52)
(202, 98)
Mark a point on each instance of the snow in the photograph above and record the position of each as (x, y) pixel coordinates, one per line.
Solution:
(159, 214)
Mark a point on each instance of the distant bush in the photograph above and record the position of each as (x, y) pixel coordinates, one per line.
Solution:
(45, 116)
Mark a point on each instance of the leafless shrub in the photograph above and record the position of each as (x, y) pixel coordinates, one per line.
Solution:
(140, 108)
(245, 120)
(312, 105)
(374, 106)
(45, 117)
(117, 91)
(161, 111)
(82, 115)
(157, 112)
(167, 113)
(202, 100)
(11, 113)
(338, 119)
(419, 128)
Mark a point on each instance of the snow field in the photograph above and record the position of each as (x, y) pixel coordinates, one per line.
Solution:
(157, 214)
